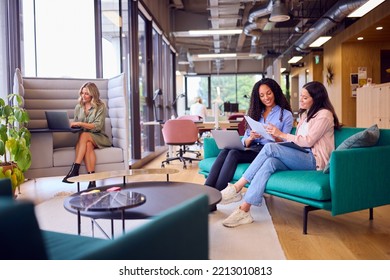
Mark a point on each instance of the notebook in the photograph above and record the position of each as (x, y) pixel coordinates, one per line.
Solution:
(59, 120)
(293, 146)
(228, 139)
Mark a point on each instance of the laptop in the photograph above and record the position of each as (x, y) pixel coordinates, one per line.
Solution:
(228, 139)
(59, 120)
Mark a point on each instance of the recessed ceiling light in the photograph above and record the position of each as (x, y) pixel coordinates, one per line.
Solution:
(320, 41)
(360, 38)
(217, 55)
(210, 32)
(365, 8)
(295, 59)
(379, 28)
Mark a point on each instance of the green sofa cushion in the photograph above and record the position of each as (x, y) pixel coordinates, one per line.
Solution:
(306, 184)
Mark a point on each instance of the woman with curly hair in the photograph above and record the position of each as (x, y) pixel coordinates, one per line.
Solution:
(268, 105)
(314, 133)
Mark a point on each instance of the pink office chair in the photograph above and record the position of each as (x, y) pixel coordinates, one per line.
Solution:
(194, 118)
(180, 133)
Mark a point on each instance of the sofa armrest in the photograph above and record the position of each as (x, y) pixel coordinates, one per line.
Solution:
(20, 236)
(179, 233)
(359, 178)
(210, 148)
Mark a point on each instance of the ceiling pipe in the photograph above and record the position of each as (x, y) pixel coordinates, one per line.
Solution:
(336, 14)
(256, 22)
(261, 11)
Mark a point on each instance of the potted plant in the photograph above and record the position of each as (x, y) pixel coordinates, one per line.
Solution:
(15, 139)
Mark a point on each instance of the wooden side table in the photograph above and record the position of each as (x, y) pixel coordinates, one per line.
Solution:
(120, 173)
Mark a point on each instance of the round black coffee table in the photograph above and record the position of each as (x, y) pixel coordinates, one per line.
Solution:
(160, 196)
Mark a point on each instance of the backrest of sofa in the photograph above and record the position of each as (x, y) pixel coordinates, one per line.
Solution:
(341, 134)
(345, 132)
(42, 94)
(118, 111)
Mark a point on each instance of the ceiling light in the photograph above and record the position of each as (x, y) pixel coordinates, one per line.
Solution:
(210, 32)
(379, 28)
(217, 55)
(320, 41)
(295, 59)
(360, 38)
(279, 12)
(364, 9)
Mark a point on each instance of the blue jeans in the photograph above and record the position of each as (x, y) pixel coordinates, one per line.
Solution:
(273, 158)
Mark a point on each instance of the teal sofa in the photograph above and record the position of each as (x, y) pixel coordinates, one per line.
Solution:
(358, 178)
(179, 233)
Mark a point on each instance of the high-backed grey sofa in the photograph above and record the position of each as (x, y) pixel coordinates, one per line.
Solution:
(53, 153)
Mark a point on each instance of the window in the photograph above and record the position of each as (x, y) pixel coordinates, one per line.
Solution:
(3, 50)
(112, 33)
(55, 44)
(232, 88)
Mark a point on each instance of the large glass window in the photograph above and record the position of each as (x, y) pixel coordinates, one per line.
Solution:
(3, 50)
(112, 32)
(197, 86)
(221, 88)
(143, 90)
(54, 43)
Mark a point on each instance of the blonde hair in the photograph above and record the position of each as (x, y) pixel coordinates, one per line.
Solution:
(93, 91)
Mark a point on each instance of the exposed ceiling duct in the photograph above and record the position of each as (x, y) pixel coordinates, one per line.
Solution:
(256, 23)
(330, 19)
(260, 11)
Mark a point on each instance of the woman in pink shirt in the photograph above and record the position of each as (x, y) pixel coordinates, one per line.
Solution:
(315, 133)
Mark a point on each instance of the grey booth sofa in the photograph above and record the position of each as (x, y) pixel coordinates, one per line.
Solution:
(53, 153)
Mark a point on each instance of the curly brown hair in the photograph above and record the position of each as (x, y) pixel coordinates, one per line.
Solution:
(256, 107)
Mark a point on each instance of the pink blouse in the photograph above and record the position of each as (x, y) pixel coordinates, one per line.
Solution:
(320, 136)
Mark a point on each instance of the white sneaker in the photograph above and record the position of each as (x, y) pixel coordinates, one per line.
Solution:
(238, 217)
(229, 195)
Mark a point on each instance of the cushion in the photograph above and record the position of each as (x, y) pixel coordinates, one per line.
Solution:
(366, 138)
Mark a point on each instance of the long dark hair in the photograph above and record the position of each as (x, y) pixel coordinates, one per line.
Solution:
(321, 100)
(257, 107)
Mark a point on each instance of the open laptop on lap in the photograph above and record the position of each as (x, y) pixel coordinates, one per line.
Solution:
(228, 139)
(59, 120)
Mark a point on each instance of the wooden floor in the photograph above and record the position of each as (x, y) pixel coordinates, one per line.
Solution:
(350, 236)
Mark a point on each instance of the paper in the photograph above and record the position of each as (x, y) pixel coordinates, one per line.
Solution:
(259, 128)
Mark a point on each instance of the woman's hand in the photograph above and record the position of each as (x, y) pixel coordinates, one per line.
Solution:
(274, 131)
(75, 124)
(254, 135)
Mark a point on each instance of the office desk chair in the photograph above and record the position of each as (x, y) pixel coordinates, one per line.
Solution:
(194, 118)
(180, 133)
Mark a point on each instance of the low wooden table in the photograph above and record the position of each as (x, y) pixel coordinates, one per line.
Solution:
(120, 173)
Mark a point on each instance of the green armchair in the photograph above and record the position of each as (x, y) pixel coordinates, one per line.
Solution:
(179, 233)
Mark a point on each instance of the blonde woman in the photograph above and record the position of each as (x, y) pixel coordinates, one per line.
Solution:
(89, 115)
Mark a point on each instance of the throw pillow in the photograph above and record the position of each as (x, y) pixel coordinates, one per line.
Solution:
(366, 138)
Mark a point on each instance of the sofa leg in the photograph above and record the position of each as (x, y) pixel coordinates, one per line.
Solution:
(306, 210)
(371, 211)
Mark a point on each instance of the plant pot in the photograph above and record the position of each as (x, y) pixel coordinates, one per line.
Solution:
(12, 174)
